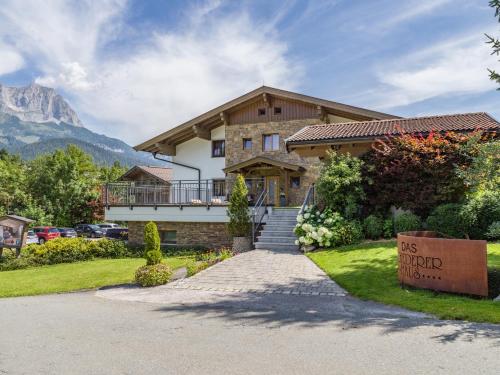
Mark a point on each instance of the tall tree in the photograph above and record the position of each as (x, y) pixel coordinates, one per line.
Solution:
(494, 42)
(64, 184)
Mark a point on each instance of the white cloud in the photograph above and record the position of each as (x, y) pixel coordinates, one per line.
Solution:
(10, 60)
(448, 68)
(410, 11)
(170, 78)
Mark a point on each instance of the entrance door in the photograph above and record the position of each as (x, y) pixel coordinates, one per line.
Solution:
(273, 190)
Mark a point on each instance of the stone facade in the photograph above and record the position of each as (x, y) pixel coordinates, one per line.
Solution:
(212, 235)
(236, 154)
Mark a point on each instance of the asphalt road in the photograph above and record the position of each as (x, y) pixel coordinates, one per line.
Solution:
(213, 333)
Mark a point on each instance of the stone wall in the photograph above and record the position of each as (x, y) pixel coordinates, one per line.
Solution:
(236, 154)
(212, 235)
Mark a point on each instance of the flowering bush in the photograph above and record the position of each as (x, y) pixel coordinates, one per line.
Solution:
(325, 229)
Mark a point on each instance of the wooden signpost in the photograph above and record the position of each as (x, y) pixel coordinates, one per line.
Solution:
(13, 230)
(450, 265)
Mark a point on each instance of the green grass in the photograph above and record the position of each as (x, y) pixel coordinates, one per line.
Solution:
(369, 271)
(75, 276)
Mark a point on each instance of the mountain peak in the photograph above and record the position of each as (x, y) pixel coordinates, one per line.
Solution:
(37, 103)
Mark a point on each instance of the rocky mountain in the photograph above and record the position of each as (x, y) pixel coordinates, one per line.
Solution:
(36, 120)
(36, 103)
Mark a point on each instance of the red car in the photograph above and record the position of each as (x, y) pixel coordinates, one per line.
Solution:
(45, 234)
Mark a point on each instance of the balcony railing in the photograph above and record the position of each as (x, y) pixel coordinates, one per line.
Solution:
(180, 192)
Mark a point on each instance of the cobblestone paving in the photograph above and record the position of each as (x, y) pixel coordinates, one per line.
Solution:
(263, 271)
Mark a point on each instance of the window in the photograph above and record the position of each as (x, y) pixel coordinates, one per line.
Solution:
(168, 237)
(218, 188)
(261, 111)
(247, 143)
(277, 110)
(295, 181)
(218, 149)
(271, 142)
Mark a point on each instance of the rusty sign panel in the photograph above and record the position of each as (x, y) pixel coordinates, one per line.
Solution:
(450, 265)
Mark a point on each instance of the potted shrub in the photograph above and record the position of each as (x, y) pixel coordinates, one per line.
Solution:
(154, 272)
(239, 219)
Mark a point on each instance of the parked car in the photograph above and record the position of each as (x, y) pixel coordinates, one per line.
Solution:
(117, 233)
(45, 234)
(67, 232)
(89, 230)
(106, 226)
(31, 237)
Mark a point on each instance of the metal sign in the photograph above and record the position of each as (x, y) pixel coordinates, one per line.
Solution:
(451, 265)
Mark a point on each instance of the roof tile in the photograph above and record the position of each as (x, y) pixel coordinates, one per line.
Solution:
(377, 128)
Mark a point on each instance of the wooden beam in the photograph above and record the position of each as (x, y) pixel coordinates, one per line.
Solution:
(267, 99)
(322, 114)
(224, 118)
(202, 133)
(165, 149)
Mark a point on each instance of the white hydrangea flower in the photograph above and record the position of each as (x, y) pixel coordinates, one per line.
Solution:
(300, 219)
(307, 215)
(297, 242)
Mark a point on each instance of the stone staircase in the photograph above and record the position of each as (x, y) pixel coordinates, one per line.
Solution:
(278, 230)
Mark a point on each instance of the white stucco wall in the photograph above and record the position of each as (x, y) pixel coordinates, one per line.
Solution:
(197, 152)
(216, 214)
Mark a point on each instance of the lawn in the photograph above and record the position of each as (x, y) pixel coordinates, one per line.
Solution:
(74, 276)
(369, 271)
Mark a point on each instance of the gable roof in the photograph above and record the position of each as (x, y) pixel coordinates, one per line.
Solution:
(328, 133)
(161, 173)
(259, 160)
(215, 117)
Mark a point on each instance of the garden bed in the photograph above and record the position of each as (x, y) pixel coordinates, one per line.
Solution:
(370, 271)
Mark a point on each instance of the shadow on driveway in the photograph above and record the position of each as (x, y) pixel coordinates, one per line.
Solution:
(279, 309)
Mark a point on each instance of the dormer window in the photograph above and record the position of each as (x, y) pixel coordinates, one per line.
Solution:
(261, 112)
(277, 110)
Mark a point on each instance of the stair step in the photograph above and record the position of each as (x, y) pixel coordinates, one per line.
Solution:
(275, 246)
(281, 233)
(286, 222)
(281, 240)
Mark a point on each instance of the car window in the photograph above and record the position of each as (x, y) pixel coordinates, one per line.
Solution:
(94, 227)
(36, 230)
(53, 230)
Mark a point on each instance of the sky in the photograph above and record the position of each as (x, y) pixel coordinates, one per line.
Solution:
(132, 69)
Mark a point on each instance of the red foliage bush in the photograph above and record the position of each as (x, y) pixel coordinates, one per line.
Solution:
(415, 172)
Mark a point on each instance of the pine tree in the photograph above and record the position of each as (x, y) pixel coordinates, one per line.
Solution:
(152, 251)
(495, 42)
(239, 220)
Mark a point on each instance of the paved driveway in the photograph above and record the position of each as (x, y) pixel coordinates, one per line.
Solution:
(194, 329)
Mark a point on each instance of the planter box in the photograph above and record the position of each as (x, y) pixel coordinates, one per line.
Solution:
(241, 244)
(450, 265)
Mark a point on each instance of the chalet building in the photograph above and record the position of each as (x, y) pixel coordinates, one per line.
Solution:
(275, 138)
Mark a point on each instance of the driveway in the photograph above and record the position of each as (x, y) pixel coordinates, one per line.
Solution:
(206, 326)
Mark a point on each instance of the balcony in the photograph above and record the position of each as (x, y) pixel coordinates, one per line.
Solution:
(176, 193)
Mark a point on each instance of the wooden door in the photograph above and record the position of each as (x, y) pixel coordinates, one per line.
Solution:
(273, 190)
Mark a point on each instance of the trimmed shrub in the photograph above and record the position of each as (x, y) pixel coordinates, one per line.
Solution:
(373, 227)
(195, 267)
(480, 211)
(349, 232)
(388, 228)
(61, 250)
(494, 231)
(64, 250)
(239, 220)
(447, 219)
(407, 222)
(152, 275)
(152, 251)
